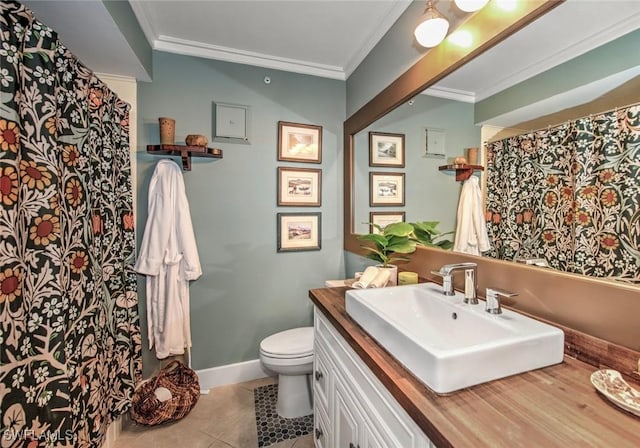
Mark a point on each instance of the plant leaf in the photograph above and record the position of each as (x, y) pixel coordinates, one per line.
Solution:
(426, 234)
(395, 259)
(377, 226)
(379, 240)
(423, 237)
(446, 244)
(375, 254)
(399, 229)
(402, 247)
(427, 226)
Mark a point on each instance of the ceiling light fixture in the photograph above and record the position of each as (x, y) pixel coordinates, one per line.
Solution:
(462, 38)
(433, 27)
(507, 5)
(471, 5)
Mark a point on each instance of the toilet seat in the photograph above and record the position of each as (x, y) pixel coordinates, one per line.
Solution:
(289, 344)
(277, 364)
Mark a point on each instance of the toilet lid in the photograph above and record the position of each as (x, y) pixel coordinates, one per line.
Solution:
(290, 343)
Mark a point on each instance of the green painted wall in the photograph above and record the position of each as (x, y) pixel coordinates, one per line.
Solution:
(248, 290)
(431, 195)
(614, 57)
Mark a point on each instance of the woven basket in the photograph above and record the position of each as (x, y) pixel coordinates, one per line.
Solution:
(183, 384)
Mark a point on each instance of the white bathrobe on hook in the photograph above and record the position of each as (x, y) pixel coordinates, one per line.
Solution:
(471, 230)
(169, 258)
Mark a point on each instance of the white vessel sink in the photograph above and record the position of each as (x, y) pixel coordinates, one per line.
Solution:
(450, 345)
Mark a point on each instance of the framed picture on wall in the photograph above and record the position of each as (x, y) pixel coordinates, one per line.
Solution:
(299, 142)
(383, 219)
(386, 149)
(299, 187)
(386, 189)
(435, 143)
(299, 231)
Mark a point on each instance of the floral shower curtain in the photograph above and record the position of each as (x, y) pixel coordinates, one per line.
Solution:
(70, 351)
(570, 194)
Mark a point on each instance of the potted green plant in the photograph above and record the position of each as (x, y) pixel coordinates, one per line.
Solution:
(391, 240)
(425, 233)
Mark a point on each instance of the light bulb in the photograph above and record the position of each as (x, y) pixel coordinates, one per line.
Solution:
(461, 38)
(471, 5)
(432, 31)
(507, 5)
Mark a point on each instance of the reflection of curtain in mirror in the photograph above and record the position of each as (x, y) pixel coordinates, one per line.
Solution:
(570, 194)
(69, 333)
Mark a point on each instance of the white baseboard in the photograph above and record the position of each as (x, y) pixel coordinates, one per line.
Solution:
(231, 374)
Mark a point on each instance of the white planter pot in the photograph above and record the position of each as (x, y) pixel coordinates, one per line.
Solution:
(393, 274)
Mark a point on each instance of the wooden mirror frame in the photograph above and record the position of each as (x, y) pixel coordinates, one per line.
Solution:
(568, 300)
(489, 27)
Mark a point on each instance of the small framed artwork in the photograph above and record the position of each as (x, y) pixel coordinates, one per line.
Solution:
(299, 142)
(386, 149)
(231, 123)
(435, 143)
(299, 187)
(386, 189)
(383, 219)
(299, 231)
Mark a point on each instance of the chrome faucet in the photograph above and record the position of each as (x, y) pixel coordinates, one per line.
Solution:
(470, 280)
(493, 299)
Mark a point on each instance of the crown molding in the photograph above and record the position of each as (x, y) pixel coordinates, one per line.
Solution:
(536, 67)
(450, 94)
(563, 101)
(200, 49)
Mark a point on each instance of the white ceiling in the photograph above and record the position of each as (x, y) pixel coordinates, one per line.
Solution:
(326, 38)
(329, 38)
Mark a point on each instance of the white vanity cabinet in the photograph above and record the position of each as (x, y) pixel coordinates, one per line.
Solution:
(352, 409)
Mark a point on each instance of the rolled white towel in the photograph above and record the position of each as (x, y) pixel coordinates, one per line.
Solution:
(381, 279)
(366, 278)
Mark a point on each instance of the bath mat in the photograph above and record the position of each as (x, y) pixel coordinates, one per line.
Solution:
(271, 427)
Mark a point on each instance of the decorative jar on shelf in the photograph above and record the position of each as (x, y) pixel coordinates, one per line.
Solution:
(167, 131)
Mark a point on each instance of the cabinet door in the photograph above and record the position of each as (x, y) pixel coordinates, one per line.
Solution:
(321, 433)
(371, 438)
(321, 379)
(345, 418)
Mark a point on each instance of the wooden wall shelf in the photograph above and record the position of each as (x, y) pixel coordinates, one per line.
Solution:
(185, 152)
(463, 171)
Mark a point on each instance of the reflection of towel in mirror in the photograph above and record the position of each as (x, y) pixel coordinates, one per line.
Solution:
(373, 277)
(471, 230)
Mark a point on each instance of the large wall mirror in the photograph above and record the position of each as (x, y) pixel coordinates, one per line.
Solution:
(429, 195)
(401, 110)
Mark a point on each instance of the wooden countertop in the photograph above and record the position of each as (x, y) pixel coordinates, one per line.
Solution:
(555, 406)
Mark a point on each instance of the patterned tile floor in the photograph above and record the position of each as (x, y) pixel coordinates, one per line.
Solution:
(272, 428)
(225, 418)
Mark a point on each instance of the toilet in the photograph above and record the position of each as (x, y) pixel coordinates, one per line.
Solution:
(290, 355)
